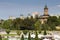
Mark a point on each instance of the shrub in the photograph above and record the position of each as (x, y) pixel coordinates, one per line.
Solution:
(0, 37)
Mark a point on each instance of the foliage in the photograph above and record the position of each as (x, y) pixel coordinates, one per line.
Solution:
(18, 32)
(37, 25)
(7, 31)
(45, 33)
(31, 24)
(17, 23)
(52, 22)
(52, 19)
(25, 31)
(29, 37)
(7, 24)
(36, 37)
(0, 37)
(22, 38)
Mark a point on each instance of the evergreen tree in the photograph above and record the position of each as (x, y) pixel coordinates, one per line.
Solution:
(36, 37)
(45, 33)
(22, 38)
(29, 37)
(0, 37)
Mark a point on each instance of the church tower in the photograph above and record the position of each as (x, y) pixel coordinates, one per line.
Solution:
(43, 19)
(46, 11)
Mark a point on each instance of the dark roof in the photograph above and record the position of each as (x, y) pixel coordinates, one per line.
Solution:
(45, 7)
(46, 15)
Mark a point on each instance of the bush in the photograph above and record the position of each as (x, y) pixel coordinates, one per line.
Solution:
(0, 37)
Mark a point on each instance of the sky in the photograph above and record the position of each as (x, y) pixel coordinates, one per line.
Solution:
(17, 7)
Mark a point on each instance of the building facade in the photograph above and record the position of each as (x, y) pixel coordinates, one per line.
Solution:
(44, 17)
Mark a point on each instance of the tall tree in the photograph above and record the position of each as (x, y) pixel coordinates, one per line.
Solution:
(37, 25)
(0, 37)
(36, 37)
(22, 38)
(29, 36)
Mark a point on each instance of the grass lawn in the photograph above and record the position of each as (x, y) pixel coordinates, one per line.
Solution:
(8, 34)
(4, 39)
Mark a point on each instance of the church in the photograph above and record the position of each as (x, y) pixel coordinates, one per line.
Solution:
(44, 17)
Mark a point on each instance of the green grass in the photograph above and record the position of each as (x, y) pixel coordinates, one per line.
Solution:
(8, 34)
(4, 38)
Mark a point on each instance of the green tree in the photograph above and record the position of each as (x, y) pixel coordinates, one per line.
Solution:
(59, 21)
(17, 23)
(22, 38)
(29, 37)
(1, 23)
(18, 32)
(7, 24)
(37, 25)
(7, 31)
(25, 31)
(0, 37)
(45, 33)
(52, 22)
(26, 24)
(36, 37)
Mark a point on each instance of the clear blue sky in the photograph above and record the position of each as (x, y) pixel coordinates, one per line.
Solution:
(17, 7)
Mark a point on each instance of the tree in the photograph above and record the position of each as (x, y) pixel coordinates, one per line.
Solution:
(25, 31)
(0, 37)
(29, 37)
(59, 21)
(36, 37)
(45, 33)
(7, 23)
(52, 19)
(53, 27)
(7, 31)
(18, 32)
(22, 38)
(52, 22)
(1, 23)
(37, 25)
(17, 23)
(28, 24)
(45, 26)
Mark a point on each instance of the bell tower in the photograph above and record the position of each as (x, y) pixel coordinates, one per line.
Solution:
(46, 10)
